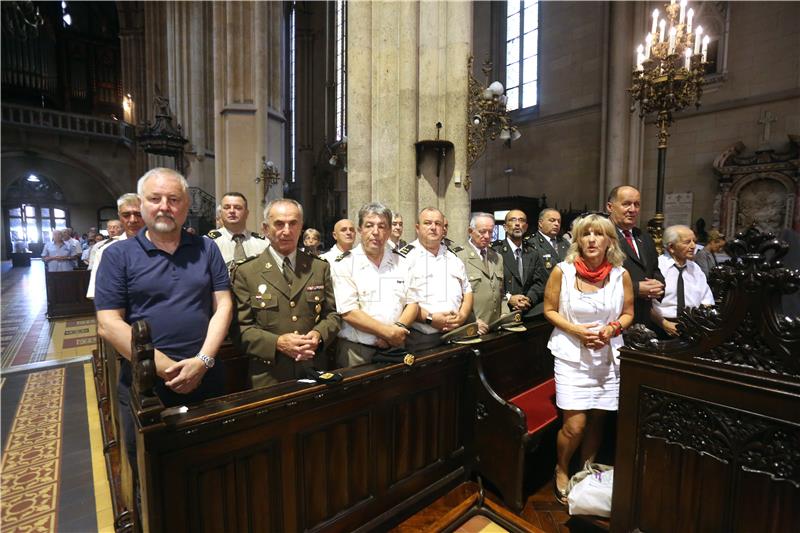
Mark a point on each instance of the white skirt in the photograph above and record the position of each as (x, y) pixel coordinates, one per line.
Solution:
(587, 384)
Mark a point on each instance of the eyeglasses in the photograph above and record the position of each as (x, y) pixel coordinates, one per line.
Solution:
(521, 220)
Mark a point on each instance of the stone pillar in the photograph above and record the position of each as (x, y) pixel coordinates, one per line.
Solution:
(132, 55)
(248, 46)
(406, 71)
(621, 50)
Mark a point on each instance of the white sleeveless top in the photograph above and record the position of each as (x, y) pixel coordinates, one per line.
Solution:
(603, 306)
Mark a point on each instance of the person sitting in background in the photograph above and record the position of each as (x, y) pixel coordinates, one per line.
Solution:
(57, 255)
(686, 284)
(589, 300)
(312, 239)
(706, 258)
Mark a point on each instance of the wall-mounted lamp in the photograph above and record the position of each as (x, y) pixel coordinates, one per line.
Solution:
(127, 108)
(488, 117)
(269, 173)
(338, 154)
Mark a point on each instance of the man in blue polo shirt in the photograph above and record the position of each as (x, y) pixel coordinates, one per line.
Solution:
(179, 284)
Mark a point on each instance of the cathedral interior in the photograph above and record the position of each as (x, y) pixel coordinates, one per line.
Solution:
(464, 106)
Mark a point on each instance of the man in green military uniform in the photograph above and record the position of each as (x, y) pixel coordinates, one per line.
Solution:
(484, 270)
(285, 303)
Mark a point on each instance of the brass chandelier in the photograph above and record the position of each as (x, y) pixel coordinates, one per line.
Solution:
(668, 77)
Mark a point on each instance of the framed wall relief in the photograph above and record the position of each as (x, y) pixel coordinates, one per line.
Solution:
(761, 188)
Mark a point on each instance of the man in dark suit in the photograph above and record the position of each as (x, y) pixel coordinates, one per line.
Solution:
(285, 303)
(548, 244)
(641, 261)
(524, 274)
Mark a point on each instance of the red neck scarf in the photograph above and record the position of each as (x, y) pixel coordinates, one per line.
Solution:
(593, 275)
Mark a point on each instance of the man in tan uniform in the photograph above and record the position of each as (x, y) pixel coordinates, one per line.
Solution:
(285, 303)
(484, 270)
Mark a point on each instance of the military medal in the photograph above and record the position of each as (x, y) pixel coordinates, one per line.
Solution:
(262, 288)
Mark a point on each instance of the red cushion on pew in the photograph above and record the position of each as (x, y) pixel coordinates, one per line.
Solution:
(539, 405)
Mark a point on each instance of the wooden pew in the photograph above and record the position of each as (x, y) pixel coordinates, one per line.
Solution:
(515, 405)
(709, 425)
(359, 455)
(66, 294)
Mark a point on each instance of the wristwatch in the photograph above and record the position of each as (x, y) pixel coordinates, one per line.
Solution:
(429, 319)
(208, 361)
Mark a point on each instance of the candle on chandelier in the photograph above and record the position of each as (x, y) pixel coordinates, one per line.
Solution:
(697, 40)
(655, 21)
(640, 57)
(689, 17)
(662, 24)
(705, 47)
(683, 12)
(687, 53)
(648, 44)
(672, 33)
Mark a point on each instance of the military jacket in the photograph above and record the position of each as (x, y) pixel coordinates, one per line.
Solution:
(550, 256)
(486, 280)
(266, 307)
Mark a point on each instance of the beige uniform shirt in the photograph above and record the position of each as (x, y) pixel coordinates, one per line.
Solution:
(253, 243)
(486, 280)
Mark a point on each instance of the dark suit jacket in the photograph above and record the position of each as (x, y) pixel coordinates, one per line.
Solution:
(267, 308)
(639, 268)
(535, 275)
(550, 256)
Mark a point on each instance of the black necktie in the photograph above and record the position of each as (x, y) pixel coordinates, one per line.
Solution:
(483, 256)
(238, 251)
(288, 273)
(519, 261)
(681, 293)
(554, 243)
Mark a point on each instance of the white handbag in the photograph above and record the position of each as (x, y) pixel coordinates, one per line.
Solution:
(590, 490)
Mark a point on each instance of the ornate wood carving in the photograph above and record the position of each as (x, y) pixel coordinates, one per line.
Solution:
(143, 364)
(743, 329)
(744, 440)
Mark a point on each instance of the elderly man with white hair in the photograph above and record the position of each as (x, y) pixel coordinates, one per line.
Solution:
(685, 284)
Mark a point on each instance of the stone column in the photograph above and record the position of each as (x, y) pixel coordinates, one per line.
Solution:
(248, 46)
(407, 70)
(621, 50)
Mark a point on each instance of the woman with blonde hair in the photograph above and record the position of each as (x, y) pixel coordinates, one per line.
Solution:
(589, 300)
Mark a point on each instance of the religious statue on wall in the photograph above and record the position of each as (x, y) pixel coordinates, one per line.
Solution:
(763, 203)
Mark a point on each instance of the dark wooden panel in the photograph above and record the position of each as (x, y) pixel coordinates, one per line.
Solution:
(66, 294)
(760, 504)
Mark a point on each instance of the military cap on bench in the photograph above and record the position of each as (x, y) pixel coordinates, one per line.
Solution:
(394, 356)
(508, 322)
(466, 334)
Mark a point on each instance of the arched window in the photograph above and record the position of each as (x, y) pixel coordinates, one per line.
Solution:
(33, 207)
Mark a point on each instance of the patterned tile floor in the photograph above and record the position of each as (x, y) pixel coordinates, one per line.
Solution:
(26, 335)
(53, 471)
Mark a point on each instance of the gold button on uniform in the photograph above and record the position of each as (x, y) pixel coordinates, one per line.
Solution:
(263, 304)
(316, 298)
(292, 304)
(294, 319)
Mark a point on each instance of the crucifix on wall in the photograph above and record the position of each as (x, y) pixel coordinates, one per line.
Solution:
(767, 118)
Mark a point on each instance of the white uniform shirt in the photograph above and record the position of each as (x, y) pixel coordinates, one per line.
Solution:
(444, 281)
(695, 288)
(381, 292)
(96, 264)
(331, 255)
(253, 246)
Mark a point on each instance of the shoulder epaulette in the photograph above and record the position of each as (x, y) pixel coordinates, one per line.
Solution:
(404, 250)
(497, 244)
(257, 235)
(342, 256)
(455, 249)
(214, 234)
(233, 265)
(447, 242)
